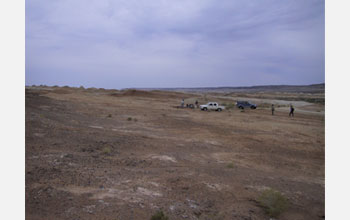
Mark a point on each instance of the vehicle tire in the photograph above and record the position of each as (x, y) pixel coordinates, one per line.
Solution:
(240, 107)
(253, 107)
(219, 109)
(205, 109)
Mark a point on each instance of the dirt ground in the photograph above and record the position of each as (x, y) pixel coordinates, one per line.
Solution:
(108, 154)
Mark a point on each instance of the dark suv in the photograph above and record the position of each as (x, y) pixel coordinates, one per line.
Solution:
(243, 104)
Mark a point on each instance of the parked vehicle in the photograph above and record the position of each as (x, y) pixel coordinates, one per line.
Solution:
(212, 106)
(245, 104)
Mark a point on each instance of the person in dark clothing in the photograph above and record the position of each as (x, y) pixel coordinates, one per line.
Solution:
(196, 103)
(272, 109)
(291, 113)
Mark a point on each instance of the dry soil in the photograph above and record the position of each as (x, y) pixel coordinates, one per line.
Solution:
(108, 154)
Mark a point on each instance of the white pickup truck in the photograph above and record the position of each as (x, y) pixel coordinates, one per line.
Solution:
(212, 106)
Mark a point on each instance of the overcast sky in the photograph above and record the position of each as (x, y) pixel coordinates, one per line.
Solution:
(183, 43)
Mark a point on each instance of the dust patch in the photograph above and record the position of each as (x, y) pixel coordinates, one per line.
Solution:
(39, 135)
(93, 126)
(223, 157)
(127, 194)
(164, 158)
(148, 192)
(79, 190)
(214, 186)
(259, 188)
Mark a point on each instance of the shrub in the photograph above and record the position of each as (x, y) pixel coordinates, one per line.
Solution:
(109, 116)
(273, 202)
(130, 118)
(230, 165)
(159, 216)
(106, 150)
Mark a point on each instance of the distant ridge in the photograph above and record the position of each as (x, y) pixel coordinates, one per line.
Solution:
(313, 88)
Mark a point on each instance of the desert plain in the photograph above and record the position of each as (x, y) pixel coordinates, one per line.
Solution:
(126, 154)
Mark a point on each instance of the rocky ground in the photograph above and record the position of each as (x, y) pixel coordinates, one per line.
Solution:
(108, 154)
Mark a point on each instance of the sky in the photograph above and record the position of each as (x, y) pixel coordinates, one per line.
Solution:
(184, 43)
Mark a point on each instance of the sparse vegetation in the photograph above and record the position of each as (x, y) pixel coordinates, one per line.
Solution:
(130, 119)
(265, 105)
(205, 98)
(273, 202)
(106, 150)
(109, 116)
(159, 216)
(314, 100)
(216, 216)
(230, 165)
(229, 105)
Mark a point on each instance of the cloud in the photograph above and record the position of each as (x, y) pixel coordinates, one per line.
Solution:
(117, 44)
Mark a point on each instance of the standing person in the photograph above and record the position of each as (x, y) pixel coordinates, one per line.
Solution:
(272, 109)
(291, 113)
(196, 103)
(182, 103)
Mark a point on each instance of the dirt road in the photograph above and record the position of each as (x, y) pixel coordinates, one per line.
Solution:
(107, 154)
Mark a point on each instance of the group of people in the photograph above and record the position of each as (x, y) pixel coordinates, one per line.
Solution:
(183, 104)
(291, 110)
